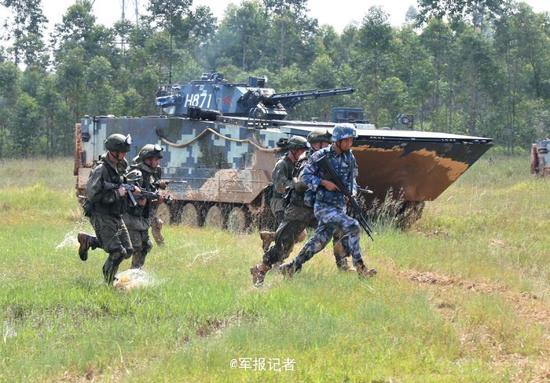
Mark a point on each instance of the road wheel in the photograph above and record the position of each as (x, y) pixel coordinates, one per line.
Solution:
(189, 215)
(163, 212)
(236, 220)
(214, 217)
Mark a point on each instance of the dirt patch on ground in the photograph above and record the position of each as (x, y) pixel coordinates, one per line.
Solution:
(533, 309)
(528, 306)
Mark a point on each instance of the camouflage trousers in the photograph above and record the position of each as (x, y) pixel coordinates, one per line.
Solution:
(142, 245)
(277, 206)
(114, 238)
(296, 219)
(156, 227)
(331, 218)
(112, 233)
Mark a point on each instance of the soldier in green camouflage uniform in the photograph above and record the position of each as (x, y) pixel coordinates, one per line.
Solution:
(106, 201)
(281, 177)
(154, 220)
(137, 218)
(298, 216)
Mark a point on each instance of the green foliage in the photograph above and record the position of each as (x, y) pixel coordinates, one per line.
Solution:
(461, 70)
(26, 30)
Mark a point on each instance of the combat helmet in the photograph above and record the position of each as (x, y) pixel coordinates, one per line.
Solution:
(319, 135)
(149, 151)
(343, 131)
(134, 176)
(296, 143)
(118, 143)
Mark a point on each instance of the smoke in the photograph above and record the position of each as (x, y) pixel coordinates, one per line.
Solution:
(133, 278)
(69, 240)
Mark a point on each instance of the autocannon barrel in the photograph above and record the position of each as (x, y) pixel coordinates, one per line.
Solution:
(290, 99)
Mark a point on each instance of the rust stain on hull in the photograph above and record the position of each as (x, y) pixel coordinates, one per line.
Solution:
(422, 175)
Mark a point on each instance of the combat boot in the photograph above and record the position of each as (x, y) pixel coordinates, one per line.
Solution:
(289, 269)
(343, 265)
(267, 237)
(258, 273)
(363, 271)
(85, 242)
(138, 259)
(340, 257)
(110, 267)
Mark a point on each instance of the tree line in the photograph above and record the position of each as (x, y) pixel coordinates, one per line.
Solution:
(478, 67)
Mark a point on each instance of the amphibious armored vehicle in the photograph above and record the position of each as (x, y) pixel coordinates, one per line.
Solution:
(220, 145)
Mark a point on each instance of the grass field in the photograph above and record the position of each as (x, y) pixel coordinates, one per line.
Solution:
(463, 296)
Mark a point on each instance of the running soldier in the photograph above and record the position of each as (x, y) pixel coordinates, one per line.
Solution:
(330, 205)
(155, 221)
(137, 218)
(281, 177)
(107, 200)
(298, 216)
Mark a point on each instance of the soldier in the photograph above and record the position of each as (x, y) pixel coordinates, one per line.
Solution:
(107, 200)
(137, 218)
(155, 221)
(282, 175)
(330, 205)
(298, 215)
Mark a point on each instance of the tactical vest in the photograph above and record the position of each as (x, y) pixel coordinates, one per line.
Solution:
(109, 203)
(149, 177)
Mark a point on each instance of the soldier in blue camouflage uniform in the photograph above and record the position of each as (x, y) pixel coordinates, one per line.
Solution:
(298, 216)
(330, 205)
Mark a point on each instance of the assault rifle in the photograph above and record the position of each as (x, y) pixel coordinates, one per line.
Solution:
(330, 175)
(129, 189)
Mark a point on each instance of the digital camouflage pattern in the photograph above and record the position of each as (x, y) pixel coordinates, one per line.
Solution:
(298, 216)
(330, 209)
(343, 131)
(227, 163)
(331, 218)
(345, 167)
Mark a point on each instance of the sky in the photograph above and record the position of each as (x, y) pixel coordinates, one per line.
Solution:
(336, 13)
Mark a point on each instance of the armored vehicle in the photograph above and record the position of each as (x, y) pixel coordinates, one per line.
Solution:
(540, 158)
(222, 158)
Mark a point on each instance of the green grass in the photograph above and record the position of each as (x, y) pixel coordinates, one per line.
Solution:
(59, 322)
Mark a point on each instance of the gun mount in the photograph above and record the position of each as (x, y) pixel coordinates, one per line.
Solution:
(212, 95)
